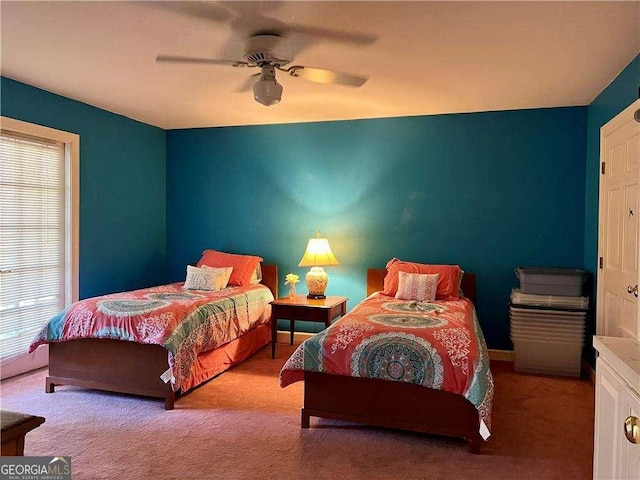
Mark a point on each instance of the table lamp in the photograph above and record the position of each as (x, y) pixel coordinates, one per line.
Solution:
(317, 255)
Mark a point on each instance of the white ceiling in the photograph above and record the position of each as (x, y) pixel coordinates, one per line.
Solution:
(427, 57)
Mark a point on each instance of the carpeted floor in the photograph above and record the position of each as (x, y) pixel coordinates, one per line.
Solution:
(242, 425)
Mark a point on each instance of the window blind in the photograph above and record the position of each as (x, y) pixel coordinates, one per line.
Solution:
(32, 235)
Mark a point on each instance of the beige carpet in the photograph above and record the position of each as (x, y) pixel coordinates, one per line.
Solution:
(242, 425)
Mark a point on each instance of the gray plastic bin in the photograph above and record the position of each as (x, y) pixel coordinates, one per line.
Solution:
(566, 282)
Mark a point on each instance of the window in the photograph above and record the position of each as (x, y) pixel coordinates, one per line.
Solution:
(38, 236)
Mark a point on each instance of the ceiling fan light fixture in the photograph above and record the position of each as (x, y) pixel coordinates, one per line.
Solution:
(267, 90)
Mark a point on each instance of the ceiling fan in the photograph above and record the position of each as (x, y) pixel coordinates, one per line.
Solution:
(270, 52)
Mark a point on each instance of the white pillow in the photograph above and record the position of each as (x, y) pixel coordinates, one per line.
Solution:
(417, 286)
(256, 276)
(207, 278)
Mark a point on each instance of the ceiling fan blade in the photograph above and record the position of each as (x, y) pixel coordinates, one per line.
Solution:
(252, 15)
(320, 75)
(198, 60)
(255, 24)
(339, 36)
(248, 83)
(246, 7)
(197, 9)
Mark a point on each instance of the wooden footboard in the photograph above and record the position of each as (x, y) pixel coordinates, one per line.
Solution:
(112, 365)
(129, 367)
(383, 403)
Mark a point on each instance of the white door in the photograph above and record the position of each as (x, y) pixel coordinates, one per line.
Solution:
(617, 299)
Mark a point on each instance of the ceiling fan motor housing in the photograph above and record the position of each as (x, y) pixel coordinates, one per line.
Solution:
(267, 49)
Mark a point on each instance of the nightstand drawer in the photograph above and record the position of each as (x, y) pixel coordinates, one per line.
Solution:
(301, 313)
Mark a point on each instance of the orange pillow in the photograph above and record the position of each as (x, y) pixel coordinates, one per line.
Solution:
(449, 277)
(243, 265)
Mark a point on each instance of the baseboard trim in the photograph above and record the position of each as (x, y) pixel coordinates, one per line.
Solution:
(298, 337)
(588, 371)
(501, 355)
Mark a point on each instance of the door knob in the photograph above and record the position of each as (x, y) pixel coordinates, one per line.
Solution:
(632, 429)
(633, 290)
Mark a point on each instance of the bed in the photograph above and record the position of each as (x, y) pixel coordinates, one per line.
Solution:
(342, 386)
(205, 333)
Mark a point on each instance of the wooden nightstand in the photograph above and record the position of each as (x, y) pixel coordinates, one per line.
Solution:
(302, 308)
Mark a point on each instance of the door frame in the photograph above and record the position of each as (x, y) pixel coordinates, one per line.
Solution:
(611, 126)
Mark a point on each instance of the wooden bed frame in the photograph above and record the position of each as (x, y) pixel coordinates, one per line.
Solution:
(382, 403)
(135, 368)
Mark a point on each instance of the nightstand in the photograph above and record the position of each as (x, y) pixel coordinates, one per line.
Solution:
(302, 308)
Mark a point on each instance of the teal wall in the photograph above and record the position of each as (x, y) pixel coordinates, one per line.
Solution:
(122, 187)
(488, 191)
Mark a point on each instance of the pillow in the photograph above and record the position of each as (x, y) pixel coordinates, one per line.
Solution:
(417, 286)
(448, 279)
(256, 276)
(207, 278)
(243, 265)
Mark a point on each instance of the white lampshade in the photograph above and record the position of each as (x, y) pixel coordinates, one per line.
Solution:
(317, 255)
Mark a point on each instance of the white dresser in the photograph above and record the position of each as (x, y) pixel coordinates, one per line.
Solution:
(617, 409)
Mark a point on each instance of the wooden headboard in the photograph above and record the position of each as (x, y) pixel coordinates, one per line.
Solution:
(375, 282)
(270, 277)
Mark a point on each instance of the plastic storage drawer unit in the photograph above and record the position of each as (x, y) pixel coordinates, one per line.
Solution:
(550, 356)
(551, 281)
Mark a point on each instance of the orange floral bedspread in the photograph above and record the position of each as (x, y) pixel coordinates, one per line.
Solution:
(438, 345)
(185, 322)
